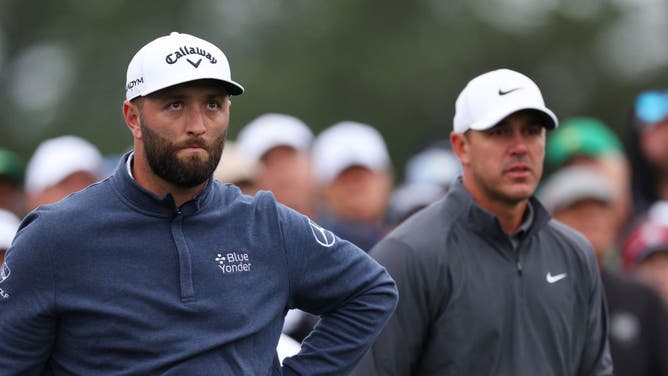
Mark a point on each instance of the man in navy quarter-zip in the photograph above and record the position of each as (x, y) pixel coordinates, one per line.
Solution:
(162, 270)
(489, 284)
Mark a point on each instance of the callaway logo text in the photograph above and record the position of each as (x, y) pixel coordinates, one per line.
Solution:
(233, 262)
(185, 50)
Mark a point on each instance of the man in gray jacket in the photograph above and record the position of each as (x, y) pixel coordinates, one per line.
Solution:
(489, 284)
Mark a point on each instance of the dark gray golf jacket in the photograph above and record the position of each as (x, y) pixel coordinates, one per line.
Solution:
(471, 304)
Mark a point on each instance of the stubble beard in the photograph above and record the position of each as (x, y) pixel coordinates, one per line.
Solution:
(188, 172)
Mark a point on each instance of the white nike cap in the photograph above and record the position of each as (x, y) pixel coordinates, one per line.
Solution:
(174, 59)
(492, 96)
(272, 130)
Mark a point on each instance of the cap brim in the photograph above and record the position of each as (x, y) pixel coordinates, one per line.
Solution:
(230, 86)
(495, 118)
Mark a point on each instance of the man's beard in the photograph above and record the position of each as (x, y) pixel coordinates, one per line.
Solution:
(188, 173)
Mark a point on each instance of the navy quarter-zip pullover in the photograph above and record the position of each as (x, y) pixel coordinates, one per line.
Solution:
(114, 280)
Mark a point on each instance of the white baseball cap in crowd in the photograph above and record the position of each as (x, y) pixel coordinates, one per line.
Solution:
(573, 184)
(174, 59)
(57, 158)
(9, 224)
(272, 130)
(347, 144)
(433, 166)
(410, 197)
(492, 96)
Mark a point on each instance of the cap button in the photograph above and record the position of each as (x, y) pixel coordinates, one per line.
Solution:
(174, 33)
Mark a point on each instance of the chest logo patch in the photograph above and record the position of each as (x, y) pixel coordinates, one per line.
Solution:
(554, 278)
(233, 262)
(324, 237)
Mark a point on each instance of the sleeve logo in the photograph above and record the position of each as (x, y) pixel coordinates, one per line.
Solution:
(324, 237)
(4, 274)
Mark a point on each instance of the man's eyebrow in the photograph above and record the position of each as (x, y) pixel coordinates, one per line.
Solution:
(220, 94)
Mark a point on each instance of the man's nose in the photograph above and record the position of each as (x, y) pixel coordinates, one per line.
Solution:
(195, 122)
(518, 143)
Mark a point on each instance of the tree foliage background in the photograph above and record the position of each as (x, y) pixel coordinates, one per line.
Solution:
(397, 65)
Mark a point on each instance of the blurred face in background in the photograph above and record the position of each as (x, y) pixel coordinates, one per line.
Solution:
(11, 196)
(288, 174)
(358, 193)
(653, 141)
(70, 184)
(654, 271)
(617, 170)
(595, 220)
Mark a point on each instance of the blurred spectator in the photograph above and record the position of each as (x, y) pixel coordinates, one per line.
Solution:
(582, 198)
(281, 144)
(428, 175)
(60, 166)
(354, 173)
(236, 168)
(433, 165)
(588, 141)
(647, 149)
(9, 224)
(280, 147)
(408, 198)
(645, 251)
(11, 182)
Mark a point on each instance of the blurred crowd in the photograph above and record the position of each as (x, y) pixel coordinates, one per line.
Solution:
(615, 193)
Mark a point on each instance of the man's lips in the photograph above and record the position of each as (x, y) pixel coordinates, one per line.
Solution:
(518, 170)
(194, 146)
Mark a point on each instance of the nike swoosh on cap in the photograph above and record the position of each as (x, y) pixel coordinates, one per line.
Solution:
(504, 92)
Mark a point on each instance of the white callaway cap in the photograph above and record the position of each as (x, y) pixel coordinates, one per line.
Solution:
(174, 59)
(347, 144)
(492, 96)
(57, 158)
(272, 130)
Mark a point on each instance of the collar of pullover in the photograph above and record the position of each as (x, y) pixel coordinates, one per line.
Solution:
(148, 202)
(486, 223)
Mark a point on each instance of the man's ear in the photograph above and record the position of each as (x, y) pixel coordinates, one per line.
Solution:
(132, 118)
(460, 146)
